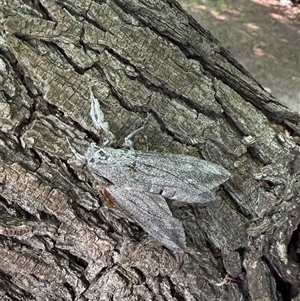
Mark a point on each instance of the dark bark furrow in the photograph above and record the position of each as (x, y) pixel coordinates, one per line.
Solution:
(59, 241)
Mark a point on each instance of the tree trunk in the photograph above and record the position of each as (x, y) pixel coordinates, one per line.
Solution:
(59, 240)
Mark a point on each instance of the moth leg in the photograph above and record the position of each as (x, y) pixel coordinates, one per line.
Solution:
(127, 141)
(78, 156)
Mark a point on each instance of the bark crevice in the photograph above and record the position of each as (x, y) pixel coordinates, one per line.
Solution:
(59, 239)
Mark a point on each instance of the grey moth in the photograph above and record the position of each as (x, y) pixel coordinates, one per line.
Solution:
(141, 181)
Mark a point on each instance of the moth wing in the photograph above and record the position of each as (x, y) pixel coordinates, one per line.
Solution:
(153, 214)
(176, 177)
(185, 197)
(185, 172)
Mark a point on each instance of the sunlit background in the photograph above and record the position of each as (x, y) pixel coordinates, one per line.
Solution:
(263, 35)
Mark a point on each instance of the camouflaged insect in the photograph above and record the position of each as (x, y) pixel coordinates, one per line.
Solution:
(141, 181)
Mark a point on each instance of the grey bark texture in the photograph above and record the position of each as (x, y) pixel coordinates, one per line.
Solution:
(58, 238)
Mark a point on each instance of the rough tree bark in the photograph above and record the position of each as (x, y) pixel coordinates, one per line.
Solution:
(59, 241)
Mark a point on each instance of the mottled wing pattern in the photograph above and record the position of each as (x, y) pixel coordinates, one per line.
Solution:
(152, 213)
(177, 177)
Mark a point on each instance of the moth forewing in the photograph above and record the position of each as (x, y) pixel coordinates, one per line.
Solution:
(183, 172)
(152, 213)
(176, 177)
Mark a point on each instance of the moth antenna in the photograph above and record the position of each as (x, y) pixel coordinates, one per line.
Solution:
(77, 155)
(127, 141)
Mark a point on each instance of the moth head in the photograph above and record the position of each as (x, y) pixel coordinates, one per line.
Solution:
(101, 155)
(96, 154)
